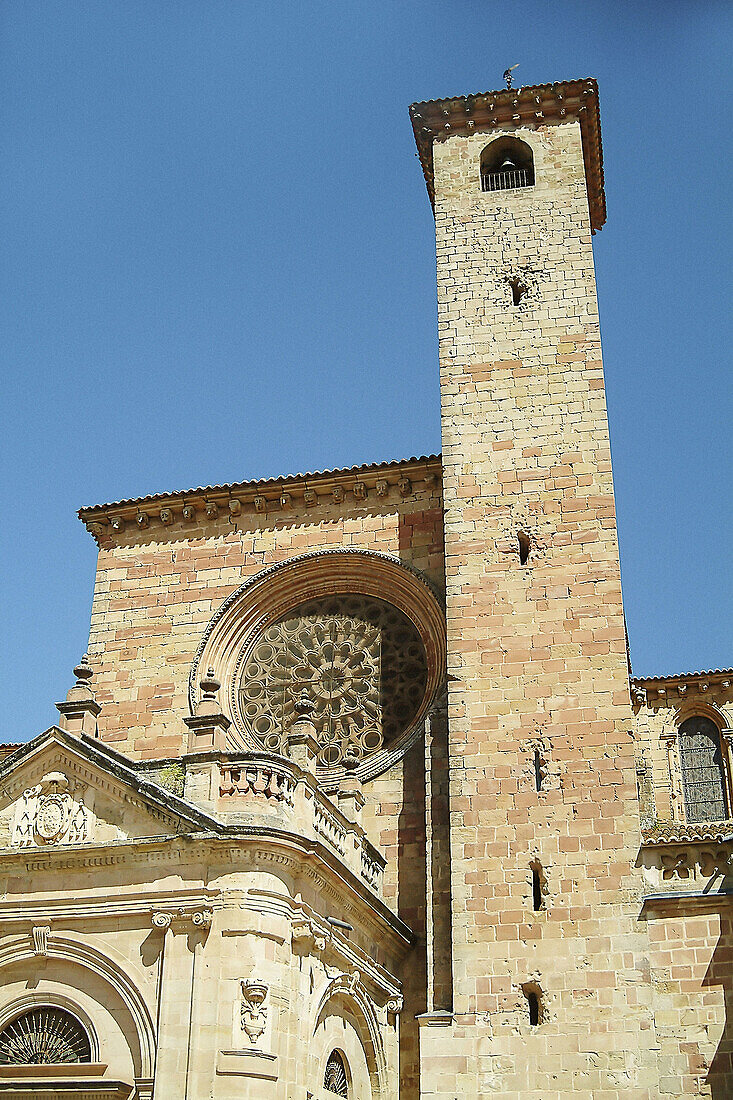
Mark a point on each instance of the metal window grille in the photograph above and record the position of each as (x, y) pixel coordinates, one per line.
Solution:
(703, 773)
(44, 1036)
(335, 1079)
(508, 180)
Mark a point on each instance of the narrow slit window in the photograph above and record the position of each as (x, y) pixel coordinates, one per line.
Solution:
(539, 885)
(524, 547)
(536, 890)
(539, 771)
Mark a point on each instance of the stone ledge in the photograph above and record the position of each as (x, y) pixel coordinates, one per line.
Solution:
(247, 1063)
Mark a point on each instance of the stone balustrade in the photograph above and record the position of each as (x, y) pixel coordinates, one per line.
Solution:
(265, 787)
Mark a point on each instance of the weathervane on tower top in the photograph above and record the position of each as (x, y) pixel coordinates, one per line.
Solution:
(508, 75)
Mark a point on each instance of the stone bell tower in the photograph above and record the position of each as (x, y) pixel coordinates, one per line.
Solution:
(543, 818)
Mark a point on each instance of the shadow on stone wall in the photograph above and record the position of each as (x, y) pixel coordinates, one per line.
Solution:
(719, 974)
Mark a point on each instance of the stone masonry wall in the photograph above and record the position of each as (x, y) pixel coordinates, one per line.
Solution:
(154, 597)
(156, 591)
(536, 651)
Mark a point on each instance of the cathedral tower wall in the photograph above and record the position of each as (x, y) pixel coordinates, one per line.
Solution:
(545, 986)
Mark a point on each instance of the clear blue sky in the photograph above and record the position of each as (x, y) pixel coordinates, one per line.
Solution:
(218, 264)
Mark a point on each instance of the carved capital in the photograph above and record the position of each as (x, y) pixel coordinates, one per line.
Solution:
(161, 919)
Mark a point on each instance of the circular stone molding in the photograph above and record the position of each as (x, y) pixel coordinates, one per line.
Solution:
(265, 599)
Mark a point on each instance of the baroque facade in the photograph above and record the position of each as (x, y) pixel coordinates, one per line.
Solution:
(354, 794)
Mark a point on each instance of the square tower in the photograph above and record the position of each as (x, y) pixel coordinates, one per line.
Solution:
(543, 819)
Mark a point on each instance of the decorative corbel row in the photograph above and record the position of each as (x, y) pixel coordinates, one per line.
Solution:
(212, 507)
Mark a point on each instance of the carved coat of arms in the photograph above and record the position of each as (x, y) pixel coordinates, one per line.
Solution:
(49, 814)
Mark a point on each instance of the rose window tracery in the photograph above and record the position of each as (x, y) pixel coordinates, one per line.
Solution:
(359, 661)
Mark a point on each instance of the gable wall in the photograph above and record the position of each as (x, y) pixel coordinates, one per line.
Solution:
(155, 593)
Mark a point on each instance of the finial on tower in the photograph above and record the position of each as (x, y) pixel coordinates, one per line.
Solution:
(80, 710)
(508, 74)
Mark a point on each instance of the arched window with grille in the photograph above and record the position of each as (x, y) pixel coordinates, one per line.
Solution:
(336, 1078)
(703, 770)
(506, 164)
(43, 1036)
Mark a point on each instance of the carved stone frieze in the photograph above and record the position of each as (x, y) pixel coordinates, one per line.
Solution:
(695, 860)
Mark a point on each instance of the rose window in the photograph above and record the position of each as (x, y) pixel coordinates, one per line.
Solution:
(359, 661)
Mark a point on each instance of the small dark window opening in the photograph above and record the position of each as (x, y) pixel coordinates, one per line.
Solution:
(518, 290)
(538, 885)
(533, 996)
(539, 771)
(524, 547)
(507, 164)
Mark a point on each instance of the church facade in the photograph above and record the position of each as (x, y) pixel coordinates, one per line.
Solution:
(354, 794)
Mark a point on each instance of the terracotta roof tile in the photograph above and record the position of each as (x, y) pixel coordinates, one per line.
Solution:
(237, 486)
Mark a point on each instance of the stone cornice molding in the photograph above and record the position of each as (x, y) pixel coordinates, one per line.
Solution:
(241, 847)
(534, 106)
(273, 591)
(140, 905)
(279, 498)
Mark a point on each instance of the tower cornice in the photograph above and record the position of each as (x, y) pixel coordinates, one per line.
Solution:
(532, 106)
